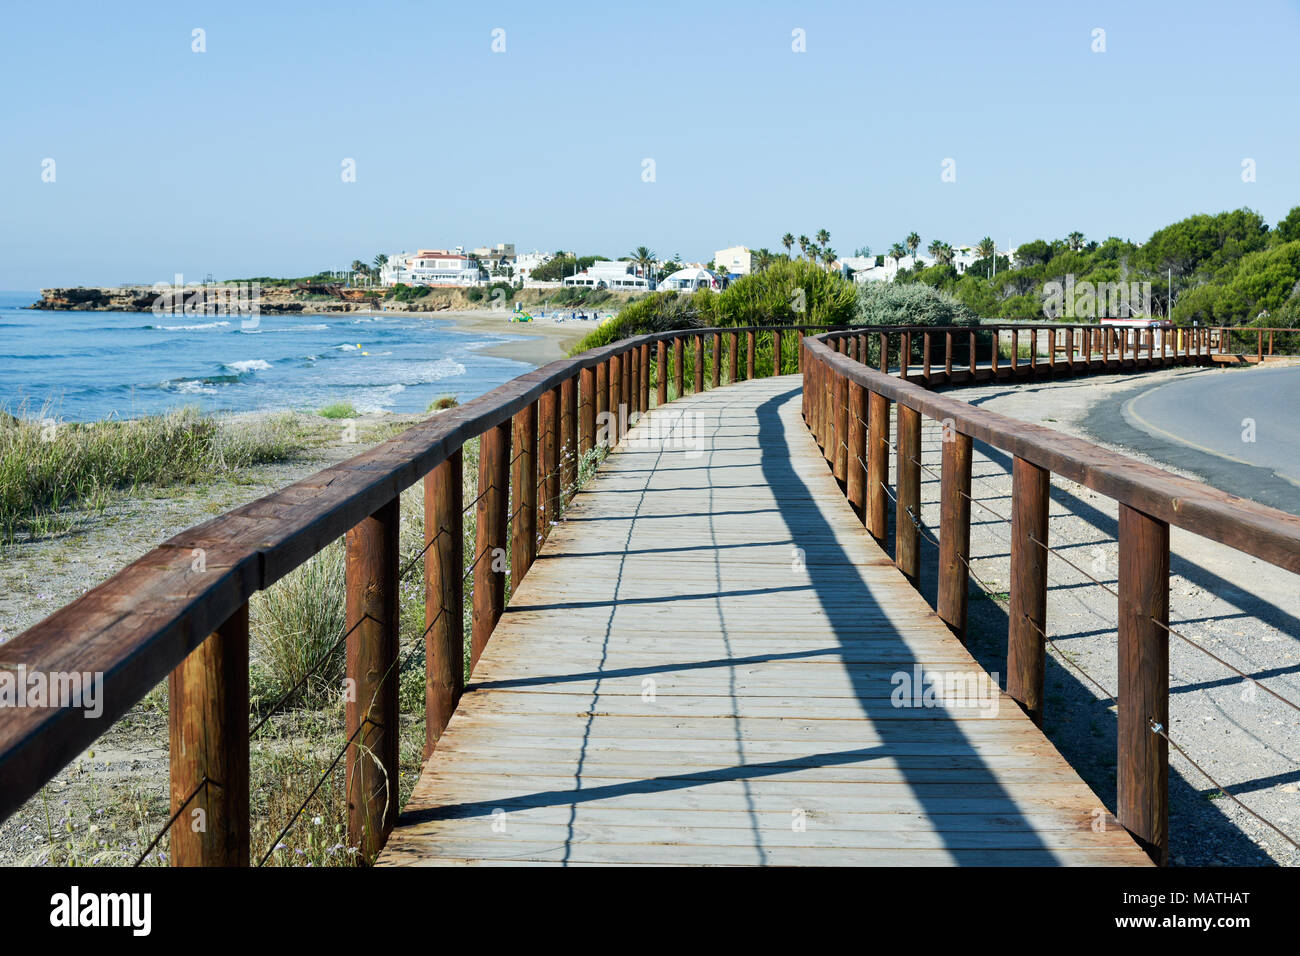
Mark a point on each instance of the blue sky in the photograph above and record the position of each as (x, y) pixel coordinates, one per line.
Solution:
(228, 162)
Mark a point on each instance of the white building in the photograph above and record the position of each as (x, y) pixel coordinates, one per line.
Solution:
(430, 267)
(526, 262)
(736, 261)
(616, 276)
(690, 279)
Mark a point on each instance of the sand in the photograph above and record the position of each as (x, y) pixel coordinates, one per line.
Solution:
(539, 341)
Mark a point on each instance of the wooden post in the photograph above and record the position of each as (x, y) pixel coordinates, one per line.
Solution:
(490, 536)
(679, 376)
(749, 355)
(586, 411)
(830, 415)
(628, 397)
(1033, 353)
(615, 409)
(643, 395)
(548, 481)
(371, 617)
(1142, 774)
(904, 355)
(972, 356)
(1015, 351)
(884, 353)
(661, 373)
(856, 482)
(717, 360)
(602, 400)
(947, 356)
(877, 464)
(907, 537)
(633, 383)
(569, 432)
(925, 358)
(208, 723)
(995, 357)
(444, 588)
(733, 365)
(699, 364)
(841, 468)
(1026, 646)
(954, 532)
(776, 352)
(523, 485)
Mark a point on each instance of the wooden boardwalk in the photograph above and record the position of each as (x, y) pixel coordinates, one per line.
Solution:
(699, 667)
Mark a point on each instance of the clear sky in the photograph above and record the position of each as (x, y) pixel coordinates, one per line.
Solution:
(229, 162)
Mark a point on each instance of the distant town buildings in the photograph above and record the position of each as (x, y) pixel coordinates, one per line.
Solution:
(690, 279)
(430, 267)
(736, 261)
(602, 274)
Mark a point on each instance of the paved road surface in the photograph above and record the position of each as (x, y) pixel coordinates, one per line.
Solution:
(1200, 422)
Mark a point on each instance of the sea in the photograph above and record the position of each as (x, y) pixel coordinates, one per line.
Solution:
(86, 366)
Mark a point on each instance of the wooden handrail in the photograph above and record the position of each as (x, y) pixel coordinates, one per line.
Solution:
(192, 591)
(1150, 501)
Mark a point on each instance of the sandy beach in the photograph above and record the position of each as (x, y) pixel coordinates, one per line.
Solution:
(541, 341)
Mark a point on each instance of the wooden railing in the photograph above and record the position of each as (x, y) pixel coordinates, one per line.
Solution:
(181, 611)
(847, 407)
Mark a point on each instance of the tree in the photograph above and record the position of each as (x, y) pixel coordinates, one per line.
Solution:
(897, 251)
(933, 248)
(788, 241)
(1075, 241)
(913, 243)
(1288, 229)
(381, 260)
(644, 259)
(823, 237)
(829, 256)
(803, 245)
(763, 259)
(945, 255)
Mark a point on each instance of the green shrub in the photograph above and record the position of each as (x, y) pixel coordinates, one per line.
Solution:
(338, 410)
(913, 303)
(441, 402)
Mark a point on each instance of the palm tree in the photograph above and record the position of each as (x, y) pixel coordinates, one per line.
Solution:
(945, 254)
(913, 243)
(763, 258)
(358, 266)
(381, 260)
(1075, 239)
(988, 249)
(788, 241)
(644, 258)
(828, 256)
(897, 251)
(933, 248)
(803, 245)
(823, 237)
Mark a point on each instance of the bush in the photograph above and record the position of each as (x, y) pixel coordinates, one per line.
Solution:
(442, 402)
(893, 303)
(338, 410)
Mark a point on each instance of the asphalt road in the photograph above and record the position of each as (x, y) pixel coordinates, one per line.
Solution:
(1201, 422)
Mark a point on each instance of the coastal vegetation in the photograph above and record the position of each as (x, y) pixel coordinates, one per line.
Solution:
(338, 410)
(48, 466)
(1228, 269)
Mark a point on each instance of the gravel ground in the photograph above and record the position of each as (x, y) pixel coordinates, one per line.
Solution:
(1242, 609)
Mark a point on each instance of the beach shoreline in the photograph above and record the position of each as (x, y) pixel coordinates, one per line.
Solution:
(541, 341)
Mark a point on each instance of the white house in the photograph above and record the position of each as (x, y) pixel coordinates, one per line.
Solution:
(430, 267)
(736, 261)
(601, 274)
(526, 262)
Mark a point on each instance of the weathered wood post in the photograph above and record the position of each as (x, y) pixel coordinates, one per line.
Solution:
(1015, 351)
(1026, 646)
(208, 729)
(370, 613)
(661, 373)
(877, 464)
(615, 400)
(841, 467)
(905, 355)
(549, 457)
(749, 355)
(856, 483)
(699, 364)
(830, 415)
(679, 373)
(776, 351)
(716, 372)
(586, 411)
(925, 357)
(444, 590)
(644, 393)
(627, 396)
(947, 356)
(907, 537)
(733, 364)
(490, 537)
(602, 402)
(954, 531)
(523, 484)
(884, 353)
(1142, 774)
(569, 433)
(972, 355)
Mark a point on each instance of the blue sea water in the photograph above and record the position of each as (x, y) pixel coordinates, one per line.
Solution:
(90, 365)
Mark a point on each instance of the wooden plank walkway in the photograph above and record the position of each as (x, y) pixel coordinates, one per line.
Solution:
(698, 669)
